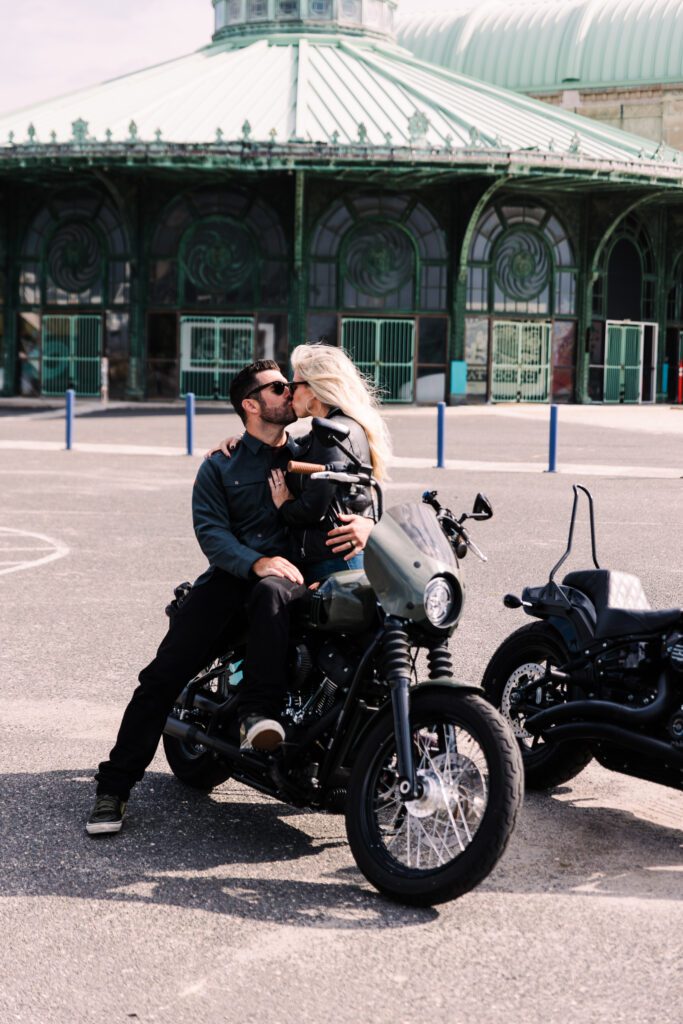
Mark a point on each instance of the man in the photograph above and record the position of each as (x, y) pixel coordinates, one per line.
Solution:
(244, 539)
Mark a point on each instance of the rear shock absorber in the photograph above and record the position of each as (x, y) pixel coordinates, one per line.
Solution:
(440, 661)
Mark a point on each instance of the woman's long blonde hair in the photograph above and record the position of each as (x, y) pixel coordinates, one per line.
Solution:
(336, 381)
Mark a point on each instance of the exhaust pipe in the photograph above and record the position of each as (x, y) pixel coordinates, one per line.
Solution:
(191, 734)
(603, 710)
(634, 742)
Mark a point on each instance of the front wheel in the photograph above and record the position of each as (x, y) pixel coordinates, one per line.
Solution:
(520, 659)
(436, 848)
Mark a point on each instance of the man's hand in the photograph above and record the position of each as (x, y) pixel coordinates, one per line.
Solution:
(277, 566)
(350, 539)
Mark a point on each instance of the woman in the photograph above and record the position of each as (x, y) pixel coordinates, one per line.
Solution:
(326, 383)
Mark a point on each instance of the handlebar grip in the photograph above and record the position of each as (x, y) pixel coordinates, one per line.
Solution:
(305, 468)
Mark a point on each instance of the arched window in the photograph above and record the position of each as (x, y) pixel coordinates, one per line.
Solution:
(521, 261)
(625, 286)
(378, 253)
(674, 310)
(75, 253)
(218, 249)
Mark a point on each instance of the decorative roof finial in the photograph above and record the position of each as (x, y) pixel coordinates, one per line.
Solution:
(79, 130)
(418, 126)
(362, 134)
(132, 132)
(575, 144)
(246, 131)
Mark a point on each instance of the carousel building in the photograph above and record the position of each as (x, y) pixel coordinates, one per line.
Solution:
(305, 178)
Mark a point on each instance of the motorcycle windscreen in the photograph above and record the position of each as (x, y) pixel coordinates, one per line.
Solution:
(405, 550)
(422, 527)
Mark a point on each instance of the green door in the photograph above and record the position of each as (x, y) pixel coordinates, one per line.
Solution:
(521, 361)
(623, 362)
(71, 355)
(212, 350)
(384, 350)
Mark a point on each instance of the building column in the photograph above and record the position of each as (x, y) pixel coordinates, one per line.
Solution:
(138, 301)
(297, 333)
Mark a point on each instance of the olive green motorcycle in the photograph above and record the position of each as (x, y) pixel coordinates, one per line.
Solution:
(427, 773)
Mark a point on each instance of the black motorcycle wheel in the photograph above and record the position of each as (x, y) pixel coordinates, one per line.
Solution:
(192, 763)
(445, 843)
(523, 655)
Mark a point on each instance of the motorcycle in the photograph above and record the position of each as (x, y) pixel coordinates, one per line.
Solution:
(427, 772)
(600, 675)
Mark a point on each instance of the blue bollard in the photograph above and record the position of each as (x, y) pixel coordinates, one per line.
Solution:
(441, 436)
(552, 452)
(70, 410)
(189, 416)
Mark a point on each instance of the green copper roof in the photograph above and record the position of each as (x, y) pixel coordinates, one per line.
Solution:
(322, 99)
(548, 45)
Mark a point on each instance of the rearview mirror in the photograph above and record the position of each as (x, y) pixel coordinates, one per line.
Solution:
(329, 433)
(482, 508)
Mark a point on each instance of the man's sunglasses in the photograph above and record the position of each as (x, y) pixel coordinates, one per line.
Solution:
(278, 387)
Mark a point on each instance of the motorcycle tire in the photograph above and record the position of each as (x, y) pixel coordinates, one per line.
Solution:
(443, 844)
(529, 649)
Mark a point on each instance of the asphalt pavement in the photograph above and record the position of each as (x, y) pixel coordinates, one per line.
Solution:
(231, 907)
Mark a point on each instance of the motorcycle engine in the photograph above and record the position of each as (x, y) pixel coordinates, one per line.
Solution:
(628, 671)
(674, 652)
(317, 676)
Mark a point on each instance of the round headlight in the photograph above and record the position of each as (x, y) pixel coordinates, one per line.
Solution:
(439, 601)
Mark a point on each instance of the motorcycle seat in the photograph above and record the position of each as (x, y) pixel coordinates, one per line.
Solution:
(619, 621)
(621, 603)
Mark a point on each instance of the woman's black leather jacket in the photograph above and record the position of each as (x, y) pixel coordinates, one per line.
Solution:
(312, 512)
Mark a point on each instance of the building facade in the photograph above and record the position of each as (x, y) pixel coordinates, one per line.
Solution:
(304, 178)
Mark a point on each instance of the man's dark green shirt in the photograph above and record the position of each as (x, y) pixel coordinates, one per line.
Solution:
(234, 517)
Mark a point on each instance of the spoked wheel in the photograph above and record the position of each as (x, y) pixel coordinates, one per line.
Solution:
(519, 660)
(191, 762)
(437, 847)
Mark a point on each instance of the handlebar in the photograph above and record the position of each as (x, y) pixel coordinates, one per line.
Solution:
(305, 468)
(453, 527)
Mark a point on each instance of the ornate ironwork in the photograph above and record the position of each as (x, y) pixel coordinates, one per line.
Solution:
(379, 259)
(74, 258)
(522, 264)
(219, 256)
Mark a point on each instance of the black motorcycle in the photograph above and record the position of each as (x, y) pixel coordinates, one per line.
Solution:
(428, 773)
(599, 676)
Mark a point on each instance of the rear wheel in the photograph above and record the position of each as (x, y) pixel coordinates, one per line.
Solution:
(440, 846)
(520, 659)
(191, 762)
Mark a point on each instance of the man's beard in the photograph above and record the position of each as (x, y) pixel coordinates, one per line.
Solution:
(282, 417)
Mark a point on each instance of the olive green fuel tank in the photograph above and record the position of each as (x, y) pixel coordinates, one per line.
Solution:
(344, 603)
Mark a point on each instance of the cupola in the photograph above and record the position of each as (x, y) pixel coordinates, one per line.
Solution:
(241, 18)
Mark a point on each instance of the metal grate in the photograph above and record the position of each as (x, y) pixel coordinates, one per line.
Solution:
(521, 361)
(212, 350)
(623, 362)
(384, 350)
(71, 354)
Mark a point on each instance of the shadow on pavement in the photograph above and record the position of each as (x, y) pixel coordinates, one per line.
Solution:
(176, 849)
(564, 846)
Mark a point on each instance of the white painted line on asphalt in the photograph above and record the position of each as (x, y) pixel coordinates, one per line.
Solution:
(57, 549)
(398, 461)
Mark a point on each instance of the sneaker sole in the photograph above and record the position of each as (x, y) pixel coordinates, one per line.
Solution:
(100, 828)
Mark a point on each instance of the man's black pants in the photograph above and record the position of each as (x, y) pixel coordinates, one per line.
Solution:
(201, 630)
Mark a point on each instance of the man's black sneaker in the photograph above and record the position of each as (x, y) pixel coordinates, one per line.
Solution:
(107, 815)
(259, 733)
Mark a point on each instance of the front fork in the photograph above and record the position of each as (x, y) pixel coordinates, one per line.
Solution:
(396, 663)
